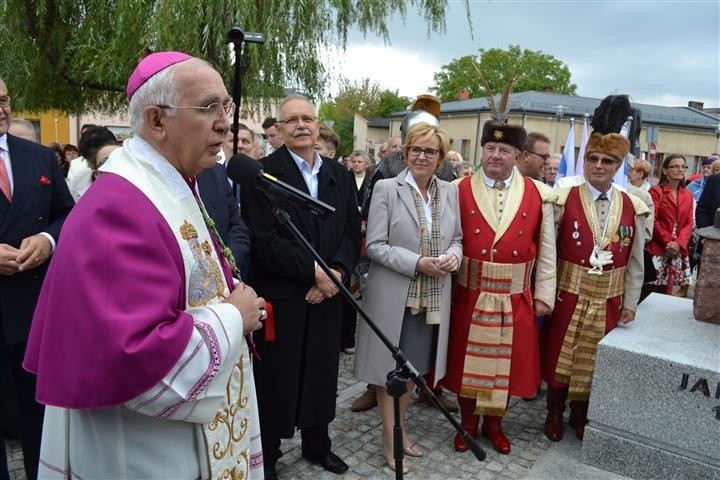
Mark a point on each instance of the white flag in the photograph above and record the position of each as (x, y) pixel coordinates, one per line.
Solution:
(620, 177)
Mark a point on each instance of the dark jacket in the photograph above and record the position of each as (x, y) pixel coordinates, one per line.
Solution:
(296, 375)
(709, 202)
(40, 203)
(219, 200)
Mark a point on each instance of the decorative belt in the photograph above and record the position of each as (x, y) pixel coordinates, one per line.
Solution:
(574, 278)
(499, 278)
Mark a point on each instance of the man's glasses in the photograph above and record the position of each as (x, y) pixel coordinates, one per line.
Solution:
(544, 157)
(605, 161)
(293, 121)
(221, 109)
(430, 153)
(5, 101)
(682, 167)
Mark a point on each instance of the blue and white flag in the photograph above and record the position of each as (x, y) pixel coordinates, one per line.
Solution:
(583, 145)
(567, 163)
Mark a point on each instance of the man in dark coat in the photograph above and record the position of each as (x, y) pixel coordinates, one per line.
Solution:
(34, 201)
(709, 202)
(219, 201)
(296, 375)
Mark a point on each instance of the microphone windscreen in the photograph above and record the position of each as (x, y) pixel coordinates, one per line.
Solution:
(243, 170)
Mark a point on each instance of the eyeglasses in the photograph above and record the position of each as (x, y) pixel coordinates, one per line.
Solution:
(293, 121)
(544, 157)
(605, 161)
(222, 109)
(5, 101)
(430, 153)
(682, 167)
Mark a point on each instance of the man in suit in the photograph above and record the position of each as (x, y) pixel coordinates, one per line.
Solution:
(297, 376)
(709, 202)
(219, 201)
(535, 153)
(34, 201)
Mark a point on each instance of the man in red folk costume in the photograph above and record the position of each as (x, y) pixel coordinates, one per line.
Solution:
(505, 281)
(600, 273)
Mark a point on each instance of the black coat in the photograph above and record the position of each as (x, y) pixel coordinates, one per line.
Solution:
(41, 201)
(219, 200)
(709, 202)
(364, 188)
(296, 376)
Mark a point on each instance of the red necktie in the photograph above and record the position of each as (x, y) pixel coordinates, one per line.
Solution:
(4, 178)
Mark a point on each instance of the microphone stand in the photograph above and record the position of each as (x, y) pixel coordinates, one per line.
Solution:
(397, 379)
(239, 38)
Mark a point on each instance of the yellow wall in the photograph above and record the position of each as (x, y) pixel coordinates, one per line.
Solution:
(54, 126)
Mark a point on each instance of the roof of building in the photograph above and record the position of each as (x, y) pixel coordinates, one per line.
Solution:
(547, 103)
(378, 122)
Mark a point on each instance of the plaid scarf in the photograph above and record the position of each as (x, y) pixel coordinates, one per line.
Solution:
(425, 292)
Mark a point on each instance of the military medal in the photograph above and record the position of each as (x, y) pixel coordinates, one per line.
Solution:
(576, 233)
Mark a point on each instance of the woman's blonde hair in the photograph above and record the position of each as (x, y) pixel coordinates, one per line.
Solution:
(420, 130)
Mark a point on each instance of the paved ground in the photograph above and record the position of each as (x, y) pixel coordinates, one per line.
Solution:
(357, 439)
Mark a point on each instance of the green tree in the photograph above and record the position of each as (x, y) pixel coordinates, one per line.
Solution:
(524, 70)
(364, 98)
(76, 55)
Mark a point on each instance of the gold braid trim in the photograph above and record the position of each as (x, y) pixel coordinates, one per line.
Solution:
(576, 362)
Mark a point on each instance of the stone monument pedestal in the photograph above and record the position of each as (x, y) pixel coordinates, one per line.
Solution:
(655, 401)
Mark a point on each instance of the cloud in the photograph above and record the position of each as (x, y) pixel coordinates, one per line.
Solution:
(667, 51)
(394, 68)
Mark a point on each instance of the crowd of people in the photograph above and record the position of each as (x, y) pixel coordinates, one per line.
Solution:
(172, 307)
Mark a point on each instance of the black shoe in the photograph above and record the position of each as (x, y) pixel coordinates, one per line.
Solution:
(329, 461)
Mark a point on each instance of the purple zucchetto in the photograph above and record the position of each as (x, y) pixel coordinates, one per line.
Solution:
(149, 66)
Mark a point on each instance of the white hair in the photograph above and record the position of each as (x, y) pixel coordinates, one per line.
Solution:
(293, 96)
(159, 89)
(362, 154)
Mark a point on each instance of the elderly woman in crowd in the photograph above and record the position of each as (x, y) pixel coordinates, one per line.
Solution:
(464, 169)
(414, 244)
(673, 229)
(639, 174)
(454, 158)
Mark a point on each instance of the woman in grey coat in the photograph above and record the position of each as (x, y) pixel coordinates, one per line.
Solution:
(414, 244)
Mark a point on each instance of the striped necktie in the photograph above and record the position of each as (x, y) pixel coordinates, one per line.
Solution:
(4, 177)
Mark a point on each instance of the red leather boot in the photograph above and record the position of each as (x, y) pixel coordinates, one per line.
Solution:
(468, 421)
(556, 397)
(492, 430)
(578, 417)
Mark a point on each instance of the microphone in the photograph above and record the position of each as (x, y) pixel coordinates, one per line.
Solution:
(249, 173)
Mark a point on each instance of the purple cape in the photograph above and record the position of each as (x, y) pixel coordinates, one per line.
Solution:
(110, 321)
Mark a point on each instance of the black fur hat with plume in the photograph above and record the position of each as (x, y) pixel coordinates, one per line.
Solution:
(612, 113)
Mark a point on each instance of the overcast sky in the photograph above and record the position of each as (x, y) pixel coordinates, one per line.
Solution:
(659, 52)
